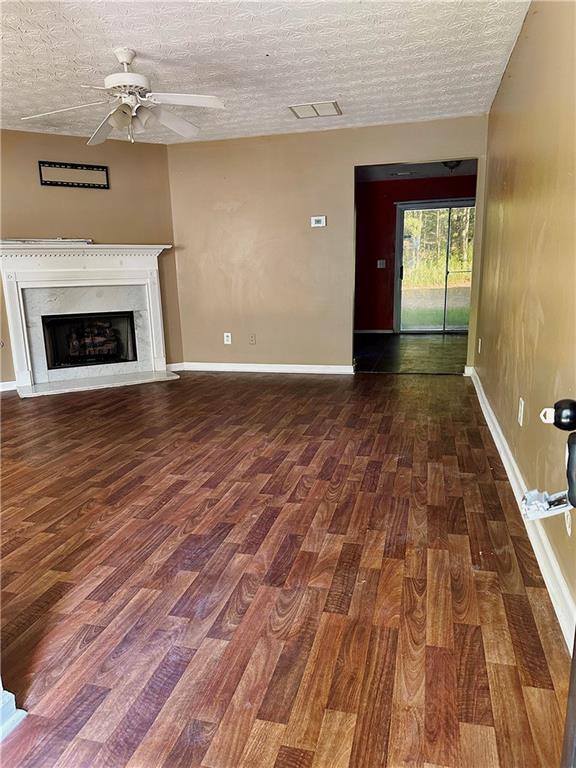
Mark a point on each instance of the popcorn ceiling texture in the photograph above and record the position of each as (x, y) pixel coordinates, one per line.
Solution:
(384, 62)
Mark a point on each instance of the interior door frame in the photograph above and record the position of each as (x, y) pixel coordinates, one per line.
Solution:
(451, 202)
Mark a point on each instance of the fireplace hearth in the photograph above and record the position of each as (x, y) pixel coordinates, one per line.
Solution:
(91, 338)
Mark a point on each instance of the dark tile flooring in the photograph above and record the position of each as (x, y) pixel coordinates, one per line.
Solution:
(410, 352)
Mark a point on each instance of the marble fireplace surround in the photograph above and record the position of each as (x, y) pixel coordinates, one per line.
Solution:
(70, 278)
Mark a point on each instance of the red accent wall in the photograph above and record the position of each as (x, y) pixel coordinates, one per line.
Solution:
(376, 235)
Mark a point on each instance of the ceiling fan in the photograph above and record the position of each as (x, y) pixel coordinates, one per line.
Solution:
(136, 106)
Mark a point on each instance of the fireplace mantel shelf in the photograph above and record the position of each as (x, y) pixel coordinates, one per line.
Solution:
(65, 246)
(49, 271)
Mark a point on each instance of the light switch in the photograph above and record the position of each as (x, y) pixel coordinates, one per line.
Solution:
(318, 221)
(381, 264)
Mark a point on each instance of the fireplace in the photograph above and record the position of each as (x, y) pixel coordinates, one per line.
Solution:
(49, 285)
(90, 338)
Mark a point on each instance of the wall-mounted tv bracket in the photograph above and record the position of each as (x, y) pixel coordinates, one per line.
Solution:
(537, 504)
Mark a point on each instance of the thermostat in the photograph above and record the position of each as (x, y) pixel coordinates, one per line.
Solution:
(318, 221)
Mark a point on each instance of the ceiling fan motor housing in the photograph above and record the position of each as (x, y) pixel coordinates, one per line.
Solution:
(125, 82)
(124, 55)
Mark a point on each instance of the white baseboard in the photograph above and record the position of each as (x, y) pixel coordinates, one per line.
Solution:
(560, 595)
(262, 368)
(469, 370)
(7, 386)
(10, 715)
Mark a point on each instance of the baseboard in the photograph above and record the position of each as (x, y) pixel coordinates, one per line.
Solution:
(10, 715)
(261, 368)
(469, 370)
(560, 595)
(7, 386)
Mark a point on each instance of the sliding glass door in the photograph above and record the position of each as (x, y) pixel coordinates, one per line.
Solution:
(434, 248)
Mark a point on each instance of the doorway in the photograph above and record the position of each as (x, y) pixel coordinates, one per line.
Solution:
(414, 252)
(434, 250)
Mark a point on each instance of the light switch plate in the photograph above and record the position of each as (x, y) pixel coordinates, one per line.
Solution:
(381, 264)
(318, 221)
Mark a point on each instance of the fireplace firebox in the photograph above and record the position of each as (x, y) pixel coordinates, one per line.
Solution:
(91, 338)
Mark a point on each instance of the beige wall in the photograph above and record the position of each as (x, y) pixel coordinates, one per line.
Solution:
(246, 258)
(136, 208)
(528, 290)
(248, 261)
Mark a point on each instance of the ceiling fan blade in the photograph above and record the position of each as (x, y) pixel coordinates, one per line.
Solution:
(176, 123)
(102, 132)
(94, 87)
(186, 100)
(66, 109)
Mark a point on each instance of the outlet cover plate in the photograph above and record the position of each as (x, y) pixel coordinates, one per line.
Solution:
(227, 337)
(318, 221)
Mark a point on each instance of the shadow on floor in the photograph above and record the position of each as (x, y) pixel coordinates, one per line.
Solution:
(410, 352)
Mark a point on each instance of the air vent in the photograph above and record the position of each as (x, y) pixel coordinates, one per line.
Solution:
(317, 109)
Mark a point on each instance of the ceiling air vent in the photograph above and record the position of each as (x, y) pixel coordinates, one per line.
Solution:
(317, 109)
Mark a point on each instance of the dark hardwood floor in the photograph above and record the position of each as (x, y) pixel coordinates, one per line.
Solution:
(410, 352)
(259, 571)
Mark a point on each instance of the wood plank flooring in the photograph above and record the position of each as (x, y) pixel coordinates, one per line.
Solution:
(267, 571)
(410, 352)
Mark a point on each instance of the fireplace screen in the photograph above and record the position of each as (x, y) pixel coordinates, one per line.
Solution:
(93, 338)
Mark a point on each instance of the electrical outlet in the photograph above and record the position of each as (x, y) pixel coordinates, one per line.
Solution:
(252, 338)
(568, 521)
(521, 412)
(227, 338)
(479, 345)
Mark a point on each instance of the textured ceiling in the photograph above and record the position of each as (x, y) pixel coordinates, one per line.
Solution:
(383, 62)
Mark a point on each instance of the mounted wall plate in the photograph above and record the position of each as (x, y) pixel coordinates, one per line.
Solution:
(73, 175)
(318, 221)
(538, 504)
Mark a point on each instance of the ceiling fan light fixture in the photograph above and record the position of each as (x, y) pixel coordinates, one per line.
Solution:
(142, 117)
(121, 117)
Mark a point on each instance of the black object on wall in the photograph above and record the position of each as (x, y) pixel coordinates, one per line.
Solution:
(73, 175)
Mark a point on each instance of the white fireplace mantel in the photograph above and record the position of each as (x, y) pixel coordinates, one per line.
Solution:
(52, 265)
